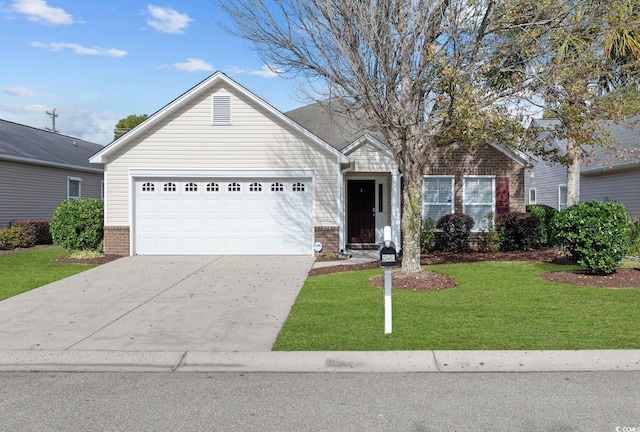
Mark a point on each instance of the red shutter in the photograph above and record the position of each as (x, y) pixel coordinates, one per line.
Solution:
(502, 196)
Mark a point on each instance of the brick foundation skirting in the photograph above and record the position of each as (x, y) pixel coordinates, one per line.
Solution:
(116, 240)
(329, 236)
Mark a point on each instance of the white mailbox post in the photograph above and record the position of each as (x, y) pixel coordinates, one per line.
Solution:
(388, 260)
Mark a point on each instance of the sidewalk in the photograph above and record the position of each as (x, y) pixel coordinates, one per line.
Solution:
(326, 361)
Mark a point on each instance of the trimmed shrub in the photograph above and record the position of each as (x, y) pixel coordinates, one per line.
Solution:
(428, 235)
(37, 231)
(78, 224)
(454, 231)
(595, 234)
(11, 238)
(546, 214)
(634, 238)
(518, 231)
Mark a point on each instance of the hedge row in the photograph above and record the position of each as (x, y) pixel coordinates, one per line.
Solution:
(25, 233)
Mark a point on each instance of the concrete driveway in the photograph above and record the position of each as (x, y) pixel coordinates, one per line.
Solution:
(159, 303)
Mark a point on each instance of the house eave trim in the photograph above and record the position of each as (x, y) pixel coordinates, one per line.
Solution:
(50, 164)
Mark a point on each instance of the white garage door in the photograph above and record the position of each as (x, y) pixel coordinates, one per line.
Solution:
(223, 216)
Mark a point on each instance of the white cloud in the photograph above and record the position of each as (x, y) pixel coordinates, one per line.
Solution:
(193, 65)
(38, 10)
(265, 71)
(81, 50)
(22, 108)
(20, 91)
(167, 20)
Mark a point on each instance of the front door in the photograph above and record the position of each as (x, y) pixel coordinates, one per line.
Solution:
(361, 207)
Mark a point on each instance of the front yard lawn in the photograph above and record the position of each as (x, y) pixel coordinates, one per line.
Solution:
(23, 271)
(496, 306)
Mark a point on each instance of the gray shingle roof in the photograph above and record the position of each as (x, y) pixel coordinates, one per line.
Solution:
(25, 143)
(327, 121)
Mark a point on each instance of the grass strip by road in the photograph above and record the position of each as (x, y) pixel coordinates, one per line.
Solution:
(496, 306)
(23, 271)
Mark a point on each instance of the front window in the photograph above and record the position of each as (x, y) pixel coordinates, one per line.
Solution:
(478, 199)
(74, 187)
(562, 197)
(437, 197)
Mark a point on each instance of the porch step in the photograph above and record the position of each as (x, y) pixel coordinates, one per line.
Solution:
(362, 246)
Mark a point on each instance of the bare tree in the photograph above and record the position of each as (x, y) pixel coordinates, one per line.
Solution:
(422, 73)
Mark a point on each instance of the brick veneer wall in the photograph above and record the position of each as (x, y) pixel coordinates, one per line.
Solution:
(329, 236)
(116, 240)
(462, 160)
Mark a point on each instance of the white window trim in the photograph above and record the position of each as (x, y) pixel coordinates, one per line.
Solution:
(560, 196)
(225, 120)
(453, 191)
(535, 196)
(69, 180)
(477, 228)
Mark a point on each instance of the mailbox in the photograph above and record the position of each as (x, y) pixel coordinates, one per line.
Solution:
(388, 255)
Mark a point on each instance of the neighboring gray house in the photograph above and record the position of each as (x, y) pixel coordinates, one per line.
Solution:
(606, 178)
(40, 169)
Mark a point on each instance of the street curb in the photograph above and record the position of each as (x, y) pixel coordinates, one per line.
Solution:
(322, 361)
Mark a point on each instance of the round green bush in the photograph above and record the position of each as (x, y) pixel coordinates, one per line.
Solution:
(547, 214)
(518, 231)
(595, 234)
(78, 224)
(454, 231)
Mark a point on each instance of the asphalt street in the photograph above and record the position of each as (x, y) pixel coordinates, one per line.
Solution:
(538, 401)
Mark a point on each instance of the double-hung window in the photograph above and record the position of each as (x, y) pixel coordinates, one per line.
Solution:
(74, 187)
(437, 197)
(478, 199)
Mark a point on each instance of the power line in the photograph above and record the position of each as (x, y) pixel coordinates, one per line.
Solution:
(53, 116)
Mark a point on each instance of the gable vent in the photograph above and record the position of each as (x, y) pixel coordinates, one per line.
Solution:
(221, 110)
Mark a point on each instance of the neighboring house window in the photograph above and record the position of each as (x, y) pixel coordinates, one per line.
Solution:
(298, 187)
(562, 197)
(437, 197)
(532, 196)
(213, 187)
(221, 110)
(234, 187)
(74, 187)
(478, 199)
(169, 187)
(148, 187)
(191, 187)
(255, 187)
(277, 187)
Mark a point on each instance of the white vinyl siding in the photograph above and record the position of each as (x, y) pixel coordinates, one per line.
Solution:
(437, 197)
(257, 141)
(368, 158)
(478, 199)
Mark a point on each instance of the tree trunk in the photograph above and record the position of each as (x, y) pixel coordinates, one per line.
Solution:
(573, 172)
(411, 222)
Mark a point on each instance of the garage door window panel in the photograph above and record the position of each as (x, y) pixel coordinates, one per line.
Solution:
(148, 187)
(191, 187)
(169, 187)
(234, 187)
(213, 187)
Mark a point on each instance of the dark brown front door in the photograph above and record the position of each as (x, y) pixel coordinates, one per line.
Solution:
(361, 199)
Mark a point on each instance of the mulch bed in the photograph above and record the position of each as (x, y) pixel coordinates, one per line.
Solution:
(429, 281)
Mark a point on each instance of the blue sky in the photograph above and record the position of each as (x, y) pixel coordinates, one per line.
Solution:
(96, 62)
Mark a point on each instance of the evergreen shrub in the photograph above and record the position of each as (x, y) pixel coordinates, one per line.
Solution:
(78, 224)
(595, 234)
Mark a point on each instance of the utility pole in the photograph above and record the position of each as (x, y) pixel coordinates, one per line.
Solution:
(53, 116)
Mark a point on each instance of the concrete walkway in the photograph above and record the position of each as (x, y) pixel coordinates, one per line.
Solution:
(215, 314)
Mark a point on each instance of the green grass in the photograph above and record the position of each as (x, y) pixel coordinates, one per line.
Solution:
(496, 306)
(23, 271)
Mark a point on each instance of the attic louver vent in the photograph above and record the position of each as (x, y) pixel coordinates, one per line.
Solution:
(221, 110)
